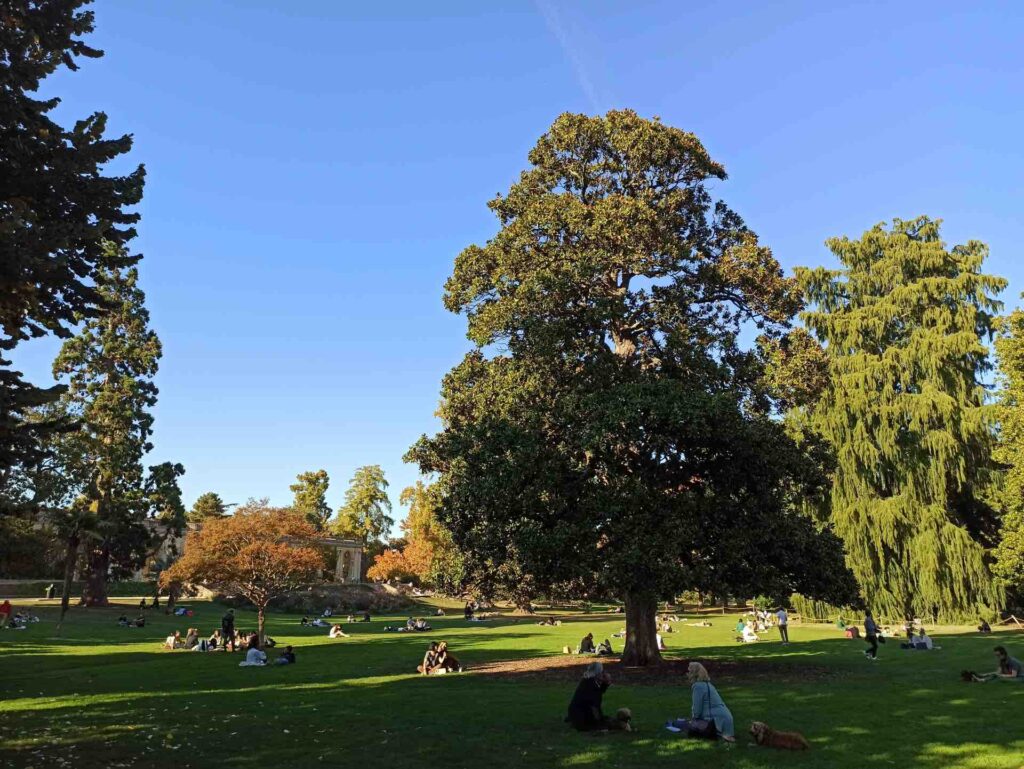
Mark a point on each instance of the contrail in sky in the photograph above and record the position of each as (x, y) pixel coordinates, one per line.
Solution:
(554, 25)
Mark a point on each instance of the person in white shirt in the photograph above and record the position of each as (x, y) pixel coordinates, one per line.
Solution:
(661, 642)
(783, 619)
(923, 641)
(749, 636)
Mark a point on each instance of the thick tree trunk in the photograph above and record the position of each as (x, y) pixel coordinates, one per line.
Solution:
(95, 591)
(70, 559)
(641, 629)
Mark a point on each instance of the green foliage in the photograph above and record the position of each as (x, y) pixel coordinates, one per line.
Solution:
(904, 319)
(1009, 552)
(110, 365)
(208, 505)
(609, 433)
(366, 513)
(311, 497)
(59, 209)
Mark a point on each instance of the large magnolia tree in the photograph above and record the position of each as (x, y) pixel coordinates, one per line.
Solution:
(260, 553)
(609, 433)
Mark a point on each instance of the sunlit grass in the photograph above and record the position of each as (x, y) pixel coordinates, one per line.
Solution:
(100, 695)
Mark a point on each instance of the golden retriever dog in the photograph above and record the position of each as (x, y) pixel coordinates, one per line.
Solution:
(768, 737)
(623, 720)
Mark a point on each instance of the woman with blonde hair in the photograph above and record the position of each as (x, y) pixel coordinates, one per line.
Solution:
(709, 716)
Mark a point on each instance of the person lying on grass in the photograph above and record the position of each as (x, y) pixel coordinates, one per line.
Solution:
(337, 632)
(585, 713)
(1010, 669)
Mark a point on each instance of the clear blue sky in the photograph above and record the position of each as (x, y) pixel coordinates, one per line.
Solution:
(314, 168)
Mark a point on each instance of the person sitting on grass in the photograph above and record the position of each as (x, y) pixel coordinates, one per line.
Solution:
(254, 657)
(604, 648)
(660, 641)
(923, 641)
(142, 604)
(429, 660)
(446, 661)
(214, 641)
(287, 657)
(467, 613)
(586, 645)
(740, 627)
(707, 706)
(983, 626)
(749, 636)
(366, 616)
(123, 620)
(140, 621)
(304, 621)
(191, 638)
(337, 632)
(585, 712)
(173, 641)
(1010, 669)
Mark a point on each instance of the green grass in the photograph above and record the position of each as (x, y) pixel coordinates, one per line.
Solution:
(104, 696)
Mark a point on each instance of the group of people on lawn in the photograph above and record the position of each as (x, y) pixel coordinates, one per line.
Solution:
(709, 715)
(747, 628)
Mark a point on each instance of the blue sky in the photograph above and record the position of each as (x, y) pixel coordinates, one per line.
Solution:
(314, 168)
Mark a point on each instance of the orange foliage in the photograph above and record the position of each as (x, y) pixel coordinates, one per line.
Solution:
(258, 552)
(390, 564)
(419, 557)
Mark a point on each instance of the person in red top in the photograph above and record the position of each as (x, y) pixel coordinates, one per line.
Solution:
(5, 613)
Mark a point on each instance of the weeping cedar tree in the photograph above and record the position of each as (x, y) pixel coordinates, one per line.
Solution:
(110, 365)
(57, 207)
(903, 320)
(1009, 553)
(609, 434)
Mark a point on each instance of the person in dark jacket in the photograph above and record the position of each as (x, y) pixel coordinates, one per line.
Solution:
(227, 629)
(871, 633)
(585, 712)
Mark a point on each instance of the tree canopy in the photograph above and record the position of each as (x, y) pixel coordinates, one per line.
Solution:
(110, 364)
(609, 433)
(63, 221)
(904, 321)
(258, 552)
(366, 513)
(310, 492)
(1009, 552)
(207, 505)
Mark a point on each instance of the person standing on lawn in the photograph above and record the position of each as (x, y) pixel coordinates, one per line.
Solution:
(227, 629)
(871, 636)
(783, 619)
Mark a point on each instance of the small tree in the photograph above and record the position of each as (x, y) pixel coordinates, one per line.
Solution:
(258, 552)
(311, 497)
(391, 564)
(366, 513)
(208, 505)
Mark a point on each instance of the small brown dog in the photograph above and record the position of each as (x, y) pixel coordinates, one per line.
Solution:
(765, 735)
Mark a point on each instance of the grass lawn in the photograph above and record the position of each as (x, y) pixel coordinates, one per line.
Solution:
(105, 696)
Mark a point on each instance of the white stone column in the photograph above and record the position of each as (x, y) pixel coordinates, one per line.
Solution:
(356, 575)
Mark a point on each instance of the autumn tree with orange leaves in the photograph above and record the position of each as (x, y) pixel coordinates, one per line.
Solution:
(260, 552)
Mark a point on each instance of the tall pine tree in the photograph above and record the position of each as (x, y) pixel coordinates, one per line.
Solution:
(57, 206)
(1009, 553)
(110, 365)
(904, 320)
